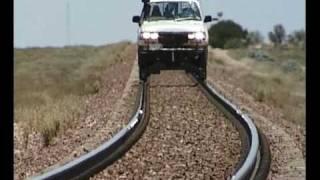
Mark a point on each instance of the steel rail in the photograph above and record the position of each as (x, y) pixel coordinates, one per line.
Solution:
(256, 157)
(97, 159)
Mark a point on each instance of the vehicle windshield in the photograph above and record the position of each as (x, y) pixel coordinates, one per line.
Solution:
(178, 11)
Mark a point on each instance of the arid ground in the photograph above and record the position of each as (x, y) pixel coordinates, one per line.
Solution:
(70, 100)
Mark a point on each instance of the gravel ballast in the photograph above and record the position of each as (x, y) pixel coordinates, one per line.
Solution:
(187, 137)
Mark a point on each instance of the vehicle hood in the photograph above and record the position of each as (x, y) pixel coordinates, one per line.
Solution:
(173, 26)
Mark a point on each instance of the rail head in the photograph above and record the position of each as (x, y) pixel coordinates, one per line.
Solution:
(246, 169)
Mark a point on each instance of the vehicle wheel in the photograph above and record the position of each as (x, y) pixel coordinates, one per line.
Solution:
(143, 75)
(203, 67)
(202, 74)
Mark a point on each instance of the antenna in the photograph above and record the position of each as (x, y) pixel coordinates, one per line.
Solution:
(68, 23)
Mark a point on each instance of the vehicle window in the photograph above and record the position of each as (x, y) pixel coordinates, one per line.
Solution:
(172, 10)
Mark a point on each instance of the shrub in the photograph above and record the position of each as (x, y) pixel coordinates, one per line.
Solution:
(278, 35)
(223, 31)
(234, 43)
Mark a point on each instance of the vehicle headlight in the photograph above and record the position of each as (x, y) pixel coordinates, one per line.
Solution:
(154, 35)
(146, 35)
(149, 35)
(197, 36)
(200, 35)
(191, 36)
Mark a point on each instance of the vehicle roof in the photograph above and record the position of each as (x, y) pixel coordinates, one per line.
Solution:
(173, 0)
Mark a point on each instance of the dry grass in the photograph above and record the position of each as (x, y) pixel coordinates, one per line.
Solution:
(50, 84)
(280, 83)
(238, 54)
(49, 119)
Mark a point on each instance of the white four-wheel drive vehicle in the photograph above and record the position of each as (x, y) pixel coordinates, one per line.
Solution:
(172, 35)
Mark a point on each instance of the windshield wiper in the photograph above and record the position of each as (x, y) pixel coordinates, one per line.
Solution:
(186, 18)
(159, 18)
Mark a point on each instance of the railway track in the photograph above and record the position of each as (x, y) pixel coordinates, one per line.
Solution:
(255, 156)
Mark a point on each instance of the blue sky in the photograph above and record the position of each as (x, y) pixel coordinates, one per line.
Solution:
(97, 22)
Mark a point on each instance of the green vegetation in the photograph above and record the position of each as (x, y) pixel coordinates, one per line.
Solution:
(278, 35)
(297, 38)
(50, 83)
(227, 34)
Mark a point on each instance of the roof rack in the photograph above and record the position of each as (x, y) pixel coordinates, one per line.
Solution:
(147, 1)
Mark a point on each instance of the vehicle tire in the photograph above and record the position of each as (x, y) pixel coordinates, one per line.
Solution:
(143, 75)
(202, 73)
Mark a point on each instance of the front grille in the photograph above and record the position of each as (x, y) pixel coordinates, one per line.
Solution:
(173, 39)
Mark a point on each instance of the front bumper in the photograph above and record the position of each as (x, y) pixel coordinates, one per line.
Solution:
(155, 45)
(183, 58)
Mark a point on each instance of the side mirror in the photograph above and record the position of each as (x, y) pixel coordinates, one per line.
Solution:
(136, 19)
(207, 19)
(219, 14)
